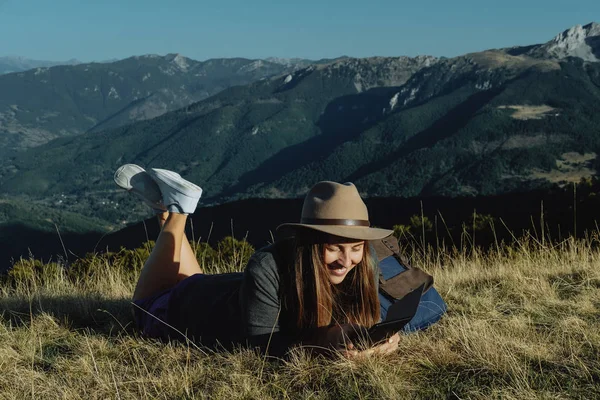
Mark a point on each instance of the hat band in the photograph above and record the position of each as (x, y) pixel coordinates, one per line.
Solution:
(326, 221)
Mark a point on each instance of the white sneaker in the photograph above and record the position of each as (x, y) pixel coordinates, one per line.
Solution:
(136, 180)
(178, 195)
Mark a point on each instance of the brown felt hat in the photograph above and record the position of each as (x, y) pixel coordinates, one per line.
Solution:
(337, 209)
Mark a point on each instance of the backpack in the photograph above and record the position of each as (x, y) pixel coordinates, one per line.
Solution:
(397, 278)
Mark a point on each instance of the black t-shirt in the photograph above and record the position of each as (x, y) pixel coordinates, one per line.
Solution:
(243, 307)
(236, 307)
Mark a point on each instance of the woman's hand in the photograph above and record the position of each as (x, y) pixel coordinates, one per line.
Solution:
(348, 338)
(387, 347)
(341, 336)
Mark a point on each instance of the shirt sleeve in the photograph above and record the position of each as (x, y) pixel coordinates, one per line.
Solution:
(259, 296)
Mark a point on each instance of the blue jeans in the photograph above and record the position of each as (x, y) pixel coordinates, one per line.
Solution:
(431, 307)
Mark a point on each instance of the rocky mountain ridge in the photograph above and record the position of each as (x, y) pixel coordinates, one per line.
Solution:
(579, 41)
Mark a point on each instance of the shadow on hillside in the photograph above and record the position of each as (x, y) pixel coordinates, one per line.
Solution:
(297, 77)
(517, 51)
(347, 117)
(22, 241)
(594, 43)
(257, 220)
(443, 128)
(105, 123)
(95, 313)
(344, 119)
(168, 137)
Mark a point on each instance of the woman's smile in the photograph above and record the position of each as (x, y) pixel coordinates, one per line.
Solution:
(337, 269)
(341, 257)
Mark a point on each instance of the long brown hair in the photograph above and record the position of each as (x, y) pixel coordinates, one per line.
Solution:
(315, 302)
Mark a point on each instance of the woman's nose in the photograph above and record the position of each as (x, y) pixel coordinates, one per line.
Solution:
(345, 260)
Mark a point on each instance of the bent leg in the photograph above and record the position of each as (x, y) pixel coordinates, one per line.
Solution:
(161, 270)
(188, 265)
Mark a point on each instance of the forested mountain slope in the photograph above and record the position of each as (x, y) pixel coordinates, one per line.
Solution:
(483, 123)
(46, 103)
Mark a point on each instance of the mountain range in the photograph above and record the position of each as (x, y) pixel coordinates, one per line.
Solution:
(10, 64)
(484, 123)
(45, 103)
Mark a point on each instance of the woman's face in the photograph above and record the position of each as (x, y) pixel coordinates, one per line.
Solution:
(342, 256)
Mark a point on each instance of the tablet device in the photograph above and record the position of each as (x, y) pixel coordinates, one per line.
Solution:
(398, 315)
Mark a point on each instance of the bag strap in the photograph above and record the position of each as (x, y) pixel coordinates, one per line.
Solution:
(406, 281)
(389, 246)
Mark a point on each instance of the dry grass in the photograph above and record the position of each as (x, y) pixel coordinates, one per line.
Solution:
(496, 58)
(570, 168)
(525, 112)
(523, 323)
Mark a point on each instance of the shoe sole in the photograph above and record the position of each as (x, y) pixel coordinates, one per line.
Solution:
(123, 177)
(124, 174)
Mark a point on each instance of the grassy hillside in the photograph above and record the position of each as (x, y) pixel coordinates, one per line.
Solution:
(523, 323)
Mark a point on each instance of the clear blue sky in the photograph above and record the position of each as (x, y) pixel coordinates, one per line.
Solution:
(64, 29)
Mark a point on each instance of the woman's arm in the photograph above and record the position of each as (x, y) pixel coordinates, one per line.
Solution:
(260, 304)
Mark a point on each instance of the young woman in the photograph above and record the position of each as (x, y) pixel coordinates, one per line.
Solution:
(317, 288)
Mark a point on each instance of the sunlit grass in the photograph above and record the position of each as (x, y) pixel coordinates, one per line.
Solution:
(523, 323)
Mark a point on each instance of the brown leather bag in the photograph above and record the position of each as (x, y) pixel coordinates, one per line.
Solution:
(406, 281)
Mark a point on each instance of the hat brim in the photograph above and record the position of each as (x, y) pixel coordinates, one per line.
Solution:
(350, 232)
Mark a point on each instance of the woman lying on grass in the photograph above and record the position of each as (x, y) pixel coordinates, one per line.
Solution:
(317, 289)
